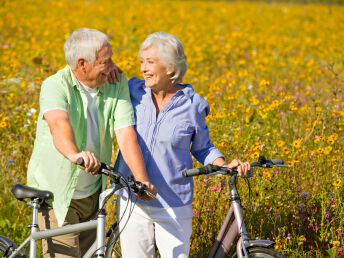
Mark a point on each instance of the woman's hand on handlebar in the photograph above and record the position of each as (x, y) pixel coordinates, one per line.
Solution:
(91, 164)
(241, 167)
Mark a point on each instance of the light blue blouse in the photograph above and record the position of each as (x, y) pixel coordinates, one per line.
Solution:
(168, 140)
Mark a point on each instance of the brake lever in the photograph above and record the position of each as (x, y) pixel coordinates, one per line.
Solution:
(219, 172)
(150, 194)
(142, 188)
(281, 165)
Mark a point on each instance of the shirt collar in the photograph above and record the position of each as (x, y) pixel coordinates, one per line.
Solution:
(187, 90)
(76, 83)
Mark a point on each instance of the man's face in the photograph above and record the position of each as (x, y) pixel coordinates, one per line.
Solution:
(97, 74)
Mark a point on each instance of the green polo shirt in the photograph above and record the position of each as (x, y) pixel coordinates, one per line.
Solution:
(48, 169)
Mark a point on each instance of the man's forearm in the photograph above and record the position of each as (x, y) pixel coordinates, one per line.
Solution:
(130, 149)
(62, 133)
(64, 139)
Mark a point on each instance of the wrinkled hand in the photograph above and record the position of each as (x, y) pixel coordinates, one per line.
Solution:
(149, 187)
(91, 163)
(115, 75)
(242, 167)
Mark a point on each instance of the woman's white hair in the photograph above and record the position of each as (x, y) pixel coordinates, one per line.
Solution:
(84, 43)
(170, 52)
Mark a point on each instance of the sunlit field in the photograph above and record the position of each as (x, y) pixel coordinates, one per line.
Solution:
(272, 73)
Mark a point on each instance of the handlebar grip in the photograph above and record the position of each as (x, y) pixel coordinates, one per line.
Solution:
(277, 161)
(191, 172)
(200, 171)
(80, 161)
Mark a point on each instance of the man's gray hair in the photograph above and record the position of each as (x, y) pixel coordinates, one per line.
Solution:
(170, 52)
(84, 43)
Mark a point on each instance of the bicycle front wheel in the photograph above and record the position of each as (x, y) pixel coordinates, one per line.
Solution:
(262, 252)
(113, 248)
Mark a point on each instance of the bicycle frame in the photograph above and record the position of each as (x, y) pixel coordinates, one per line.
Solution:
(98, 246)
(233, 226)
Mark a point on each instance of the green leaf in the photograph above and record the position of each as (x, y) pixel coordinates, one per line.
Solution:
(331, 252)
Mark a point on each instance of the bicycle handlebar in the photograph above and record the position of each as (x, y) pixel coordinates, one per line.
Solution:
(208, 169)
(136, 186)
(213, 169)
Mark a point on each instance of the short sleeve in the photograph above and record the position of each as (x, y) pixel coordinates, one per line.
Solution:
(124, 114)
(53, 96)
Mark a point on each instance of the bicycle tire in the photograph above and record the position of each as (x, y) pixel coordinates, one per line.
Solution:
(7, 246)
(113, 248)
(262, 252)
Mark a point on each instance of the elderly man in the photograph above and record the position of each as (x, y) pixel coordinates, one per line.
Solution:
(79, 111)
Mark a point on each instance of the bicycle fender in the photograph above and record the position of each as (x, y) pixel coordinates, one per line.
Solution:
(259, 243)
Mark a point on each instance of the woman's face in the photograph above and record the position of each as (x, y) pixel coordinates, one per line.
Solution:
(154, 72)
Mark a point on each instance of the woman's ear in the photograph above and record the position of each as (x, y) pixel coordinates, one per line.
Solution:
(170, 71)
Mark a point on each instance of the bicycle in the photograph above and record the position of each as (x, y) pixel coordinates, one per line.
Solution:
(233, 225)
(99, 248)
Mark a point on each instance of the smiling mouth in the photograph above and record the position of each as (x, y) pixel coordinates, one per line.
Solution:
(148, 77)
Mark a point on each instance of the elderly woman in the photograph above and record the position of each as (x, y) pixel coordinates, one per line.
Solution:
(170, 124)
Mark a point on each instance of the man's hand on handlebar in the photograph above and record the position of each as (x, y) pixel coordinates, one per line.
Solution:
(87, 161)
(91, 164)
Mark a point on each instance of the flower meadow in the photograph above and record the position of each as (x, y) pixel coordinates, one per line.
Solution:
(272, 73)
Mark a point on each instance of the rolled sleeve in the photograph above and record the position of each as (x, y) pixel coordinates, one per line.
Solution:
(124, 114)
(202, 148)
(52, 96)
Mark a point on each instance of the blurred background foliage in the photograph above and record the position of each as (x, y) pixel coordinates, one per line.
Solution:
(272, 73)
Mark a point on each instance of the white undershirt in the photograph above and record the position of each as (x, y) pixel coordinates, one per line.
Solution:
(87, 183)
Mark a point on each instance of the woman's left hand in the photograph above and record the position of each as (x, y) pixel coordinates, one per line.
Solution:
(242, 167)
(115, 75)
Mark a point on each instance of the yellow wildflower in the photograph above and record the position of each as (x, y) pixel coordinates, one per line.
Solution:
(297, 143)
(280, 143)
(336, 243)
(301, 239)
(337, 183)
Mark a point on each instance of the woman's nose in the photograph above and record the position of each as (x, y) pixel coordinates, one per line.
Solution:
(143, 67)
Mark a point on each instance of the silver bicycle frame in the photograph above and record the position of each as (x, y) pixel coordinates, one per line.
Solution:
(99, 245)
(100, 224)
(232, 226)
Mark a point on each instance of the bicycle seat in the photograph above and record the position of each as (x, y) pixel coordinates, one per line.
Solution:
(21, 192)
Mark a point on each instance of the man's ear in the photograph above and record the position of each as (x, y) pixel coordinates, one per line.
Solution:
(82, 64)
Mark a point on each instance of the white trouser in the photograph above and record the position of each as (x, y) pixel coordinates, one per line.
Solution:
(169, 228)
